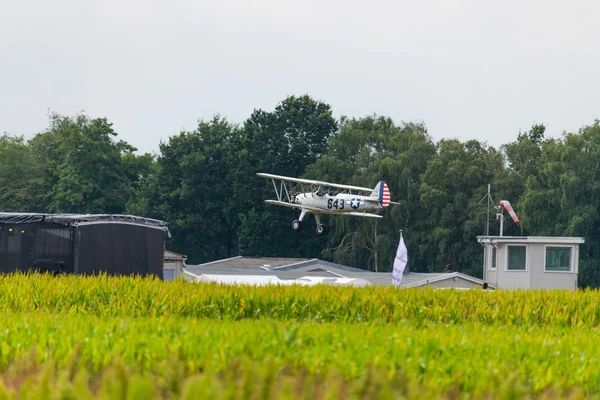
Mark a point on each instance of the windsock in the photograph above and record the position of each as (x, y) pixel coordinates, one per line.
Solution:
(508, 207)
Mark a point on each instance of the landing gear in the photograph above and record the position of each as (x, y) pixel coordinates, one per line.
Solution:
(296, 225)
(320, 227)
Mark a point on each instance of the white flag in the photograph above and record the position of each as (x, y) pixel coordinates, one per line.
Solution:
(399, 262)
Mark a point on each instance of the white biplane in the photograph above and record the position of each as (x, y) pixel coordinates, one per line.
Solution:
(320, 199)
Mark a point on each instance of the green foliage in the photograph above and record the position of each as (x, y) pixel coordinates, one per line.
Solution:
(453, 184)
(564, 198)
(285, 142)
(119, 297)
(86, 170)
(22, 179)
(365, 151)
(127, 358)
(293, 136)
(100, 337)
(203, 183)
(256, 383)
(191, 188)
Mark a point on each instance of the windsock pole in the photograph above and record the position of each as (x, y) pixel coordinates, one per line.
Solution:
(489, 200)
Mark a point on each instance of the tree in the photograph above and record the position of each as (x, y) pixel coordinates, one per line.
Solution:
(285, 142)
(523, 157)
(564, 199)
(192, 190)
(365, 151)
(22, 179)
(453, 184)
(86, 170)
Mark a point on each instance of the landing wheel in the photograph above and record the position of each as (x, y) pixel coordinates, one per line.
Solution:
(320, 229)
(296, 225)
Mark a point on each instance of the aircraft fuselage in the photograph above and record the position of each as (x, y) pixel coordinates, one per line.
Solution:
(339, 203)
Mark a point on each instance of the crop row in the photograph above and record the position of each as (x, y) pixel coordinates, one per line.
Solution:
(246, 380)
(473, 358)
(136, 297)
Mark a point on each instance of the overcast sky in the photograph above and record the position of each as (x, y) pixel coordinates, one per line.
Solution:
(466, 68)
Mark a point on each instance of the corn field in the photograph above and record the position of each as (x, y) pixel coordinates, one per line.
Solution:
(101, 337)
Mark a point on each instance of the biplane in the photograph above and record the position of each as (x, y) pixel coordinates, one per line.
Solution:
(328, 198)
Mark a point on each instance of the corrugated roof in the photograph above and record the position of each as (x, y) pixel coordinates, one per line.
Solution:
(75, 219)
(254, 262)
(216, 270)
(171, 255)
(418, 279)
(297, 268)
(531, 239)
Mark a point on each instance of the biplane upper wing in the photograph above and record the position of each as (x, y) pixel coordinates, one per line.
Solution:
(311, 182)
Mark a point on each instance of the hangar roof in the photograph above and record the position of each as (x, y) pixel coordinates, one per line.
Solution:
(252, 268)
(75, 219)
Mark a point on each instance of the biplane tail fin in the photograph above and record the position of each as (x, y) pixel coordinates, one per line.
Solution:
(381, 194)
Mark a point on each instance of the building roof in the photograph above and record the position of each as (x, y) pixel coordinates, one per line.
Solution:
(416, 279)
(261, 280)
(531, 239)
(76, 219)
(281, 266)
(286, 269)
(253, 262)
(171, 255)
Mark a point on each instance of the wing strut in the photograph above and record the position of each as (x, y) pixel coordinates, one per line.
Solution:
(276, 191)
(284, 186)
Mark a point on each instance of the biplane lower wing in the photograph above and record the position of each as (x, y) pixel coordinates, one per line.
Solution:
(319, 211)
(365, 214)
(292, 205)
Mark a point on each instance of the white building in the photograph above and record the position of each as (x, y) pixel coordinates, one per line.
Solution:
(531, 262)
(305, 271)
(173, 265)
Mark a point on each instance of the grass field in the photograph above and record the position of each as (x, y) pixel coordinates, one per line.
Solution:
(76, 337)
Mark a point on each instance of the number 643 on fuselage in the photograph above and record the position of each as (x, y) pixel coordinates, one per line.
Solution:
(319, 199)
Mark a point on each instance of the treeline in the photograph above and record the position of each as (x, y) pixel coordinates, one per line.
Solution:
(204, 184)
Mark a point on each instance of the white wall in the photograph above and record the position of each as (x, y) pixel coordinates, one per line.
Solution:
(535, 276)
(508, 279)
(176, 265)
(489, 273)
(551, 279)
